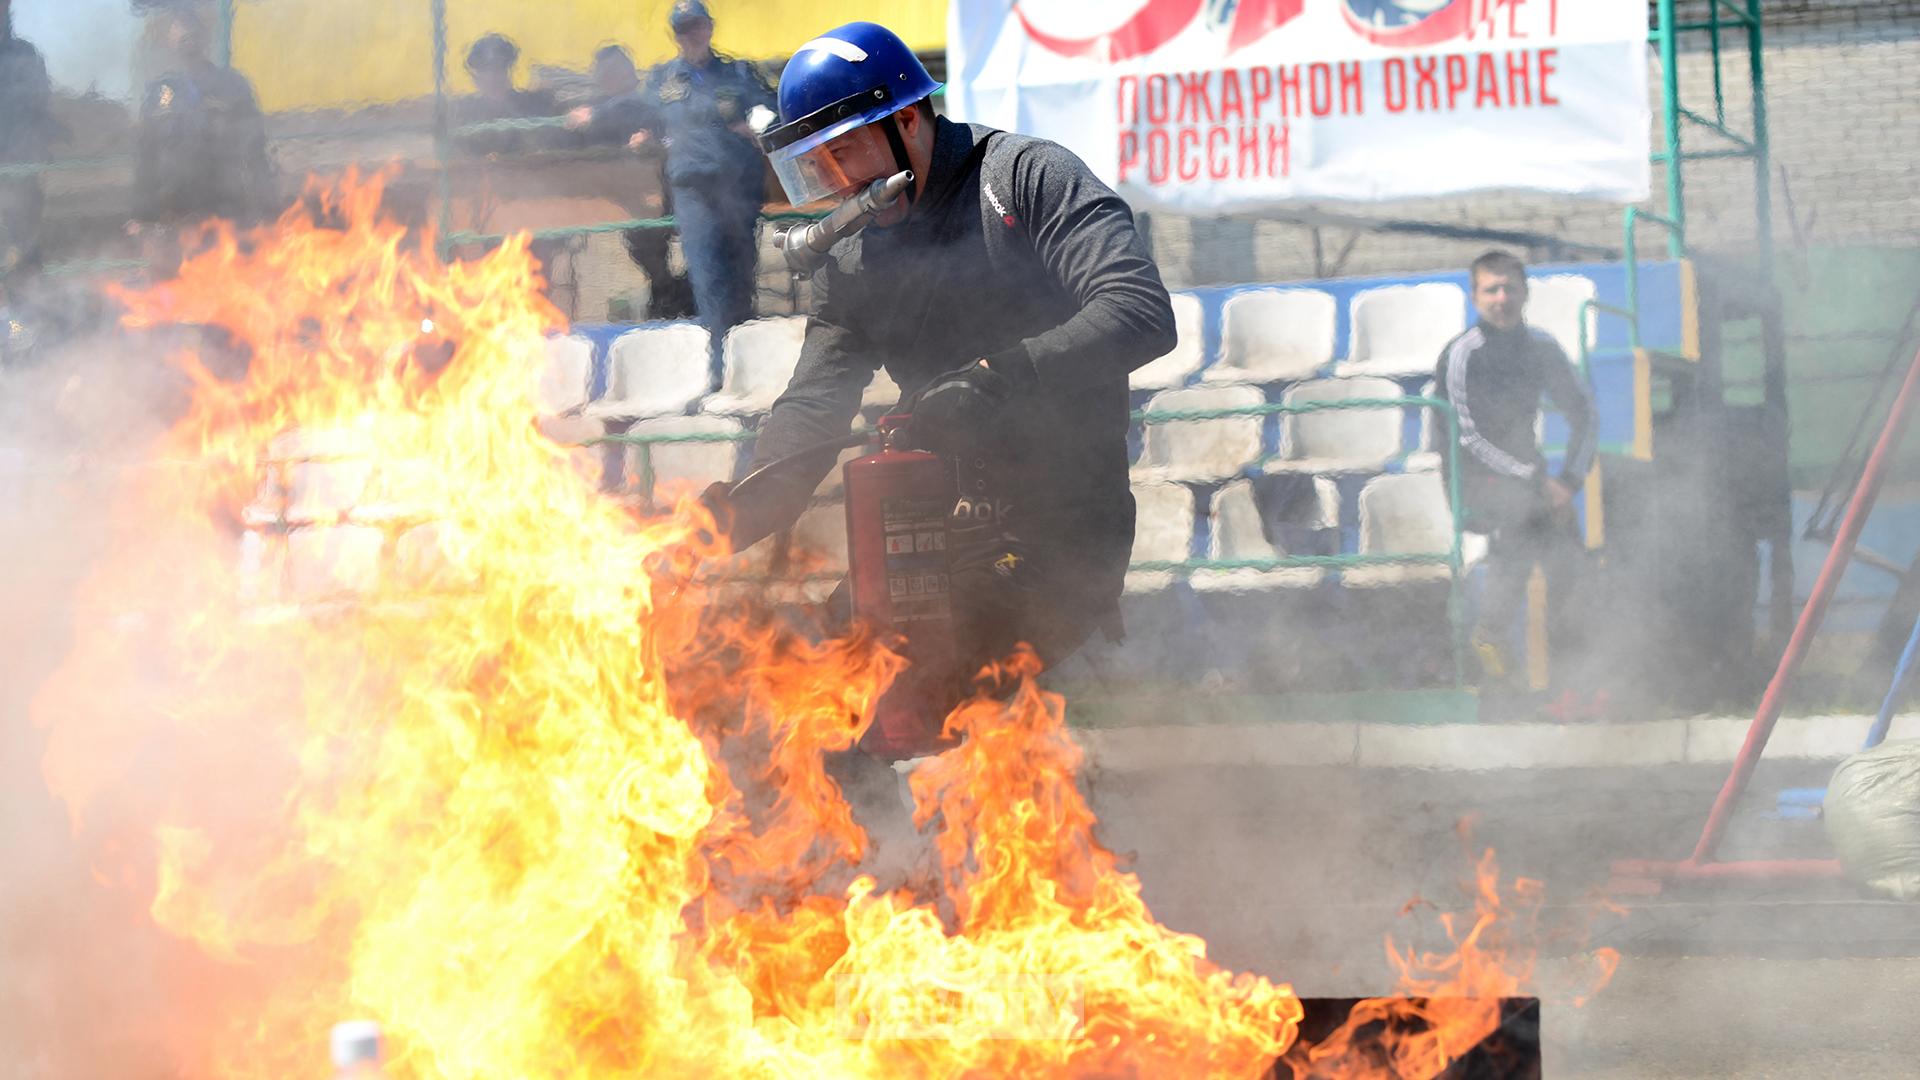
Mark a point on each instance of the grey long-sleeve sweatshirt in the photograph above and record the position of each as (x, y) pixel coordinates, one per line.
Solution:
(1013, 249)
(1495, 380)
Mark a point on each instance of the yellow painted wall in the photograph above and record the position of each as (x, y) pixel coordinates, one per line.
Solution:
(344, 53)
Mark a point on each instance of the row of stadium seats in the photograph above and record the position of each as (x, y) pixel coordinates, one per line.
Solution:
(1267, 335)
(661, 370)
(325, 544)
(1328, 441)
(1400, 513)
(1325, 443)
(1276, 335)
(1195, 480)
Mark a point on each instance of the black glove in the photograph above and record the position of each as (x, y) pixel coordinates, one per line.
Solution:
(960, 408)
(718, 500)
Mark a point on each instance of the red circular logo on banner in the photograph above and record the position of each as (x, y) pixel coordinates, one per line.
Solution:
(1408, 24)
(1158, 22)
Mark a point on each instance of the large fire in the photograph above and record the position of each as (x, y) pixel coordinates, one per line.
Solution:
(391, 715)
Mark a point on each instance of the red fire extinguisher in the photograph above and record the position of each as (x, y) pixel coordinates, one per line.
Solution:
(898, 501)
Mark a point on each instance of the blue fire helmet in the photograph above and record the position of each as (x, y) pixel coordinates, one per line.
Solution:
(835, 84)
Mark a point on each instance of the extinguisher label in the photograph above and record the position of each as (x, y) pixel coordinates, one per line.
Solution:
(916, 547)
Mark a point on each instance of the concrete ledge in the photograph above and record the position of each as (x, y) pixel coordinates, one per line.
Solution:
(1474, 747)
(1273, 745)
(1521, 746)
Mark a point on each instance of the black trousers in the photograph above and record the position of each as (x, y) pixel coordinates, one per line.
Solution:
(1525, 530)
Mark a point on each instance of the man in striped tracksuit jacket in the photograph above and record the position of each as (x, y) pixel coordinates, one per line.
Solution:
(1495, 375)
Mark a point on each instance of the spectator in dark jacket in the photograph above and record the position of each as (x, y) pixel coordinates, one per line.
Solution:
(622, 108)
(490, 63)
(200, 148)
(1495, 375)
(27, 127)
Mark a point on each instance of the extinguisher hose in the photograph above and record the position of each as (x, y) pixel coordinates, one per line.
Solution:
(780, 464)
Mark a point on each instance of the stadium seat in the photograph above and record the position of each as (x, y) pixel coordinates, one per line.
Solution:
(1404, 514)
(327, 561)
(1274, 335)
(418, 557)
(653, 371)
(1399, 330)
(262, 566)
(881, 393)
(1162, 532)
(1189, 349)
(1338, 440)
(1200, 450)
(1553, 305)
(831, 486)
(757, 361)
(1235, 532)
(1427, 457)
(323, 475)
(680, 467)
(565, 377)
(817, 550)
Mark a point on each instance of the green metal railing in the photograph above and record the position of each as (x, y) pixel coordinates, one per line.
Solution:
(1453, 558)
(444, 136)
(1589, 312)
(1741, 18)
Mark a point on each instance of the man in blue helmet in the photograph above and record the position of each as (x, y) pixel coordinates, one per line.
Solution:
(1009, 295)
(701, 102)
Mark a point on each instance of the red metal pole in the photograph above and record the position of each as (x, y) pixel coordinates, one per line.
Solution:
(1756, 869)
(1823, 588)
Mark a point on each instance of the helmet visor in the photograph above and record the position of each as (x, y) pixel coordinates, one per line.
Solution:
(837, 168)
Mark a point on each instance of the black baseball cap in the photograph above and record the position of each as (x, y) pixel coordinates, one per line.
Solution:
(493, 50)
(685, 12)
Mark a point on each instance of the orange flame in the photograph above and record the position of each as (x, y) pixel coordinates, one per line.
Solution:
(390, 715)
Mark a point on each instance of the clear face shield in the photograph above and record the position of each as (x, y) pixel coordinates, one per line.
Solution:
(835, 152)
(837, 168)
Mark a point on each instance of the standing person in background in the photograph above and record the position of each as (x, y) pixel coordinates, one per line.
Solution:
(27, 128)
(490, 63)
(200, 148)
(621, 109)
(1495, 374)
(715, 173)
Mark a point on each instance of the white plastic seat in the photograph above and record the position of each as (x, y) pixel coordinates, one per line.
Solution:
(757, 362)
(1274, 335)
(1200, 450)
(1235, 532)
(1427, 457)
(1338, 440)
(819, 541)
(682, 466)
(321, 475)
(1553, 305)
(1407, 514)
(1162, 532)
(1189, 351)
(835, 481)
(817, 552)
(324, 561)
(1399, 330)
(565, 377)
(881, 393)
(653, 371)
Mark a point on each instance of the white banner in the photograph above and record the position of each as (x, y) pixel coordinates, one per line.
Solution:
(1202, 106)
